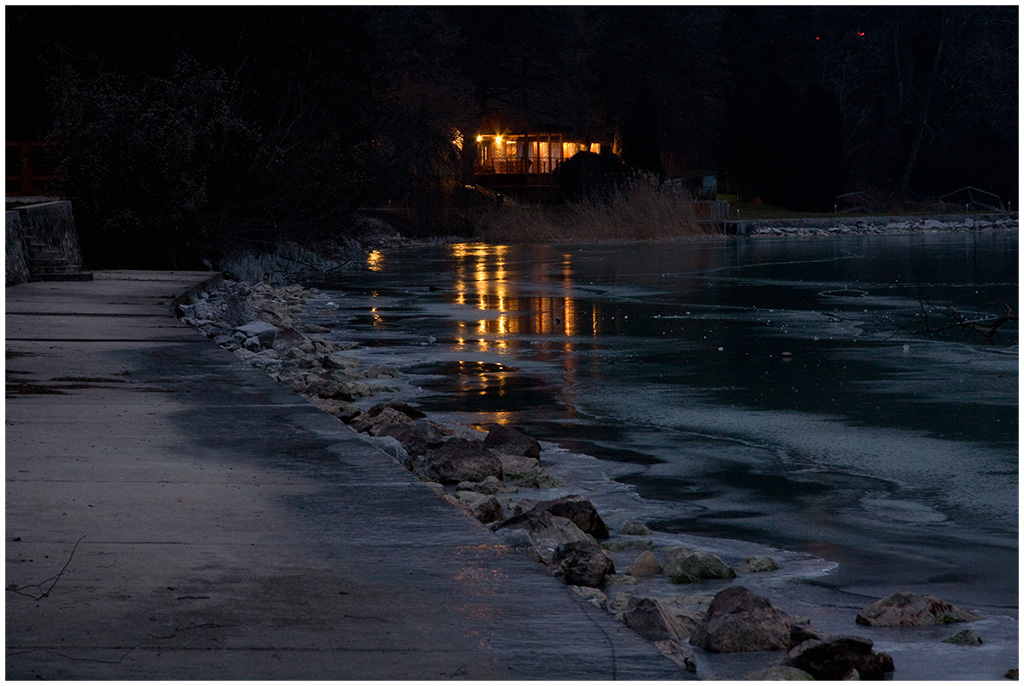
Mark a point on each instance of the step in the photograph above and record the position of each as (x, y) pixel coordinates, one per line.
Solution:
(46, 262)
(60, 269)
(74, 276)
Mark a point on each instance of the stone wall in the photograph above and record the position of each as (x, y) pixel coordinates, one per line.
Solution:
(54, 225)
(49, 223)
(17, 262)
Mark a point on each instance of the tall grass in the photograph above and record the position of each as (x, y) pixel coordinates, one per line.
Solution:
(642, 211)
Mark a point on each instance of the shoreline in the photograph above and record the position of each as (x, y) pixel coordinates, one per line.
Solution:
(301, 355)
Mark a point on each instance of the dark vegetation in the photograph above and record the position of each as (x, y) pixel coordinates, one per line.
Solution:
(188, 129)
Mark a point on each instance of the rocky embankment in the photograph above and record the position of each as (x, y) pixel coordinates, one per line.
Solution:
(842, 225)
(496, 476)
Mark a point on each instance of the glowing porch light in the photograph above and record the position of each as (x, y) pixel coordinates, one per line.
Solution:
(479, 139)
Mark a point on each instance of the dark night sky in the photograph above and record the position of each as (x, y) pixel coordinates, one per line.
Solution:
(795, 104)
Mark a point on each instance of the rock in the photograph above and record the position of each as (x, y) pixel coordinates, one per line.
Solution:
(834, 658)
(594, 596)
(621, 602)
(678, 654)
(911, 609)
(460, 459)
(536, 478)
(1011, 674)
(581, 563)
(263, 332)
(964, 638)
(469, 497)
(645, 565)
(339, 362)
(759, 564)
(546, 532)
(779, 673)
(685, 565)
(417, 436)
(505, 439)
(656, 619)
(405, 408)
(523, 506)
(390, 446)
(798, 633)
(340, 409)
(287, 337)
(516, 539)
(578, 509)
(634, 527)
(376, 424)
(684, 621)
(517, 465)
(645, 617)
(489, 486)
(384, 371)
(325, 388)
(488, 510)
(739, 621)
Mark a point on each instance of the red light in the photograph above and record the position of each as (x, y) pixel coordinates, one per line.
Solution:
(860, 33)
(817, 38)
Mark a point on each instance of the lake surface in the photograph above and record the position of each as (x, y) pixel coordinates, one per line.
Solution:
(778, 391)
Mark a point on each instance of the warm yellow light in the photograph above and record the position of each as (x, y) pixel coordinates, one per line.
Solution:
(375, 261)
(498, 139)
(479, 139)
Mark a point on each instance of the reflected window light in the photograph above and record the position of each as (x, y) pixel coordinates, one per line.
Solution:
(375, 261)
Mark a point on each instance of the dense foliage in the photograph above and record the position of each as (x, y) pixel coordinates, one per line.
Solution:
(205, 125)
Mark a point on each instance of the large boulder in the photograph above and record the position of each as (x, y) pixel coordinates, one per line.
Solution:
(911, 609)
(417, 436)
(546, 532)
(739, 621)
(685, 565)
(644, 565)
(518, 465)
(487, 509)
(964, 638)
(833, 659)
(581, 563)
(325, 388)
(759, 564)
(376, 424)
(405, 408)
(646, 617)
(578, 509)
(505, 439)
(489, 486)
(460, 459)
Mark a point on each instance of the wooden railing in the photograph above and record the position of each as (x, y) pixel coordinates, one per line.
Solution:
(541, 165)
(31, 168)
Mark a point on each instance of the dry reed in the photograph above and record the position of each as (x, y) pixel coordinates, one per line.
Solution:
(644, 211)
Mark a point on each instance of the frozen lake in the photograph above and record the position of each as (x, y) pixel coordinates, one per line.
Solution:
(778, 391)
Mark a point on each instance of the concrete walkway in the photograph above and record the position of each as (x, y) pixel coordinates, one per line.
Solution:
(175, 514)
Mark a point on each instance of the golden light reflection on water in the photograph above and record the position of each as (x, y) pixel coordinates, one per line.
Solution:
(487, 281)
(482, 277)
(375, 261)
